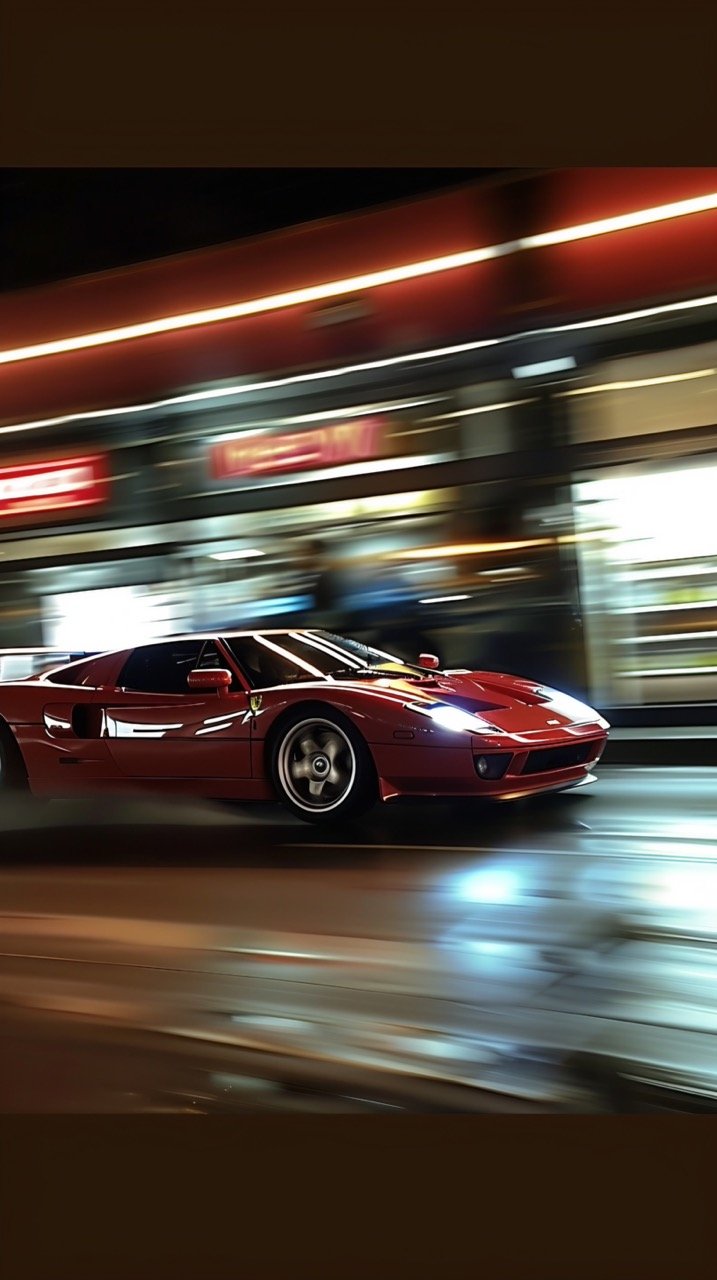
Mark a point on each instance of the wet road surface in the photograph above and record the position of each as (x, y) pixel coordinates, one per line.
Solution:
(552, 955)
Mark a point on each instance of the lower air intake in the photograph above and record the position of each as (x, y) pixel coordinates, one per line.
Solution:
(559, 757)
(492, 765)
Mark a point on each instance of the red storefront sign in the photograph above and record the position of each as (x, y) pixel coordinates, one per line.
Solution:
(58, 484)
(330, 446)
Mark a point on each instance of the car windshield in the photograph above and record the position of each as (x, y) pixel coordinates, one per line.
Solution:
(287, 657)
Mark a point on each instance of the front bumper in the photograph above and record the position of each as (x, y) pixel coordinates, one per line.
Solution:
(437, 770)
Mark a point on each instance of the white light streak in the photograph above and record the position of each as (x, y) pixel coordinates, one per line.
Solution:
(350, 660)
(481, 408)
(669, 671)
(320, 375)
(675, 635)
(668, 608)
(255, 306)
(442, 599)
(291, 657)
(467, 549)
(248, 553)
(639, 382)
(623, 221)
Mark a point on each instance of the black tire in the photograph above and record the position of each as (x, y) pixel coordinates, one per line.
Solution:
(321, 767)
(13, 776)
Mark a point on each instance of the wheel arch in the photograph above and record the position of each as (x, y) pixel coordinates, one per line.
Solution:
(17, 759)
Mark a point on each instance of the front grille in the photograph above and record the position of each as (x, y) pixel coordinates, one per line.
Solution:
(559, 757)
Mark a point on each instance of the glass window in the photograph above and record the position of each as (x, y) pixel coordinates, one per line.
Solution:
(647, 554)
(265, 664)
(163, 668)
(286, 657)
(356, 653)
(80, 673)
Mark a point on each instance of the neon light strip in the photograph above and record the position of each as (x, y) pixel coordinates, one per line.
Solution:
(623, 222)
(468, 549)
(269, 384)
(368, 366)
(361, 283)
(255, 306)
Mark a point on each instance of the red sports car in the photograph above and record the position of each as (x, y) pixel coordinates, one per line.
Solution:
(326, 724)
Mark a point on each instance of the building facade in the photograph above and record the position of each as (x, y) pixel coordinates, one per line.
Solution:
(484, 421)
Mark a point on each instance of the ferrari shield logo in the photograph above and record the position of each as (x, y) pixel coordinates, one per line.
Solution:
(255, 702)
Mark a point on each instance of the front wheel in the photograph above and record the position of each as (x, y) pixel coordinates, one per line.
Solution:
(322, 769)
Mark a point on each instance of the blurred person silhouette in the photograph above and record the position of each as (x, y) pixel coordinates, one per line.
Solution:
(327, 588)
(538, 635)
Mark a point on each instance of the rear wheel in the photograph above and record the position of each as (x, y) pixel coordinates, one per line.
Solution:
(12, 769)
(322, 768)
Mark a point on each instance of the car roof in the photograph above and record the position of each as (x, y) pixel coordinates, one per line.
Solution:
(225, 632)
(189, 635)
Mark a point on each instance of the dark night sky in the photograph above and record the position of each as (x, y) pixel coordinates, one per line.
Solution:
(56, 223)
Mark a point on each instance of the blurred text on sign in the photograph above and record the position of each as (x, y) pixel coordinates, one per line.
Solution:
(329, 446)
(53, 484)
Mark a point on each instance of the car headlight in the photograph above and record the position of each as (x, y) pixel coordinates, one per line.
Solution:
(452, 717)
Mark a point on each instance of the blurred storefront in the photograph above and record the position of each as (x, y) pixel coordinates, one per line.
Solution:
(647, 526)
(538, 501)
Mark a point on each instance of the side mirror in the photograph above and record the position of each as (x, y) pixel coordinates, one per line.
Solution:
(218, 679)
(429, 660)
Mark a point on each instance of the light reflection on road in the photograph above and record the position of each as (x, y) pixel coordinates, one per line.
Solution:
(554, 956)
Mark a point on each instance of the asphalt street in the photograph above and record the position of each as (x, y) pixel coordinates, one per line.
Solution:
(549, 955)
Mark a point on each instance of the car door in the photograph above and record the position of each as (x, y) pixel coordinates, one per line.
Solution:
(156, 727)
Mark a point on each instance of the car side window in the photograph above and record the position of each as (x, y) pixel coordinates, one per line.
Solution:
(80, 673)
(262, 666)
(160, 668)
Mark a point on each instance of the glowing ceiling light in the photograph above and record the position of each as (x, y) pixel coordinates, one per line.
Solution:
(442, 599)
(543, 367)
(495, 573)
(248, 553)
(355, 284)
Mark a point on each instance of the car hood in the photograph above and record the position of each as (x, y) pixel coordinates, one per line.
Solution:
(510, 703)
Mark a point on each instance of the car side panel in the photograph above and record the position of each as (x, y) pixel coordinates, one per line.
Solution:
(197, 736)
(50, 727)
(50, 721)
